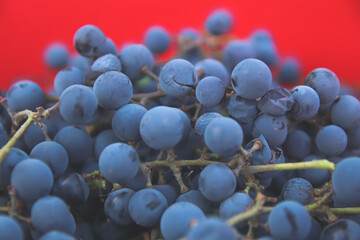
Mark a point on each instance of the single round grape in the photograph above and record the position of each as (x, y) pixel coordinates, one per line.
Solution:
(204, 120)
(56, 235)
(56, 56)
(345, 112)
(298, 189)
(108, 47)
(88, 40)
(251, 78)
(341, 229)
(218, 22)
(104, 139)
(117, 206)
(236, 51)
(72, 188)
(210, 91)
(212, 67)
(306, 103)
(211, 187)
(241, 109)
(274, 129)
(32, 179)
(289, 71)
(212, 228)
(331, 140)
(264, 47)
(147, 206)
(168, 191)
(106, 63)
(118, 162)
(67, 77)
(113, 90)
(195, 197)
(9, 229)
(297, 144)
(177, 219)
(157, 39)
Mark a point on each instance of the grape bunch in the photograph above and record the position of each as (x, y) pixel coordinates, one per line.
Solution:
(223, 141)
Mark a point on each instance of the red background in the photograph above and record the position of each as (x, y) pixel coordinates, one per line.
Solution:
(321, 33)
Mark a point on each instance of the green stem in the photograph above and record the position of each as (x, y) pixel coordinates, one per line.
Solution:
(6, 149)
(4, 209)
(180, 163)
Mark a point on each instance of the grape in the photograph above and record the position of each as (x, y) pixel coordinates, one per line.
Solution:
(345, 112)
(72, 188)
(259, 156)
(317, 177)
(168, 191)
(212, 67)
(108, 47)
(341, 229)
(118, 162)
(67, 77)
(289, 220)
(113, 90)
(56, 56)
(236, 51)
(325, 83)
(223, 136)
(219, 22)
(23, 95)
(106, 63)
(9, 229)
(243, 110)
(177, 219)
(117, 206)
(146, 207)
(274, 129)
(277, 101)
(236, 204)
(56, 235)
(212, 228)
(177, 78)
(78, 104)
(315, 230)
(354, 138)
(298, 189)
(88, 40)
(346, 181)
(84, 231)
(33, 136)
(186, 149)
(186, 122)
(53, 154)
(289, 71)
(8, 164)
(77, 143)
(5, 120)
(203, 121)
(306, 103)
(297, 144)
(104, 139)
(126, 122)
(136, 183)
(251, 78)
(51, 213)
(190, 35)
(133, 58)
(210, 91)
(32, 179)
(161, 127)
(157, 39)
(264, 47)
(195, 197)
(211, 187)
(331, 140)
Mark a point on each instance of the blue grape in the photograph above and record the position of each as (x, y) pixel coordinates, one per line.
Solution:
(133, 58)
(306, 103)
(212, 228)
(33, 136)
(72, 188)
(117, 206)
(161, 127)
(223, 136)
(8, 164)
(177, 219)
(341, 229)
(354, 138)
(346, 181)
(32, 179)
(168, 191)
(113, 90)
(9, 229)
(260, 156)
(236, 204)
(236, 51)
(88, 41)
(212, 67)
(186, 122)
(211, 187)
(78, 104)
(218, 22)
(77, 143)
(67, 77)
(298, 189)
(210, 91)
(177, 78)
(289, 71)
(108, 47)
(264, 47)
(345, 112)
(157, 39)
(126, 122)
(289, 220)
(136, 183)
(274, 129)
(186, 37)
(56, 235)
(317, 177)
(51, 213)
(118, 162)
(106, 63)
(186, 148)
(277, 101)
(80, 62)
(243, 110)
(147, 206)
(195, 197)
(189, 33)
(315, 230)
(277, 157)
(297, 144)
(331, 140)
(53, 154)
(251, 78)
(204, 120)
(23, 95)
(104, 139)
(56, 55)
(325, 83)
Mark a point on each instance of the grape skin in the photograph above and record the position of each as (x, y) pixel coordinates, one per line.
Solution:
(9, 229)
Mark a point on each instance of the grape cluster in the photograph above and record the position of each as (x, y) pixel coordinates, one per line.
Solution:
(217, 143)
